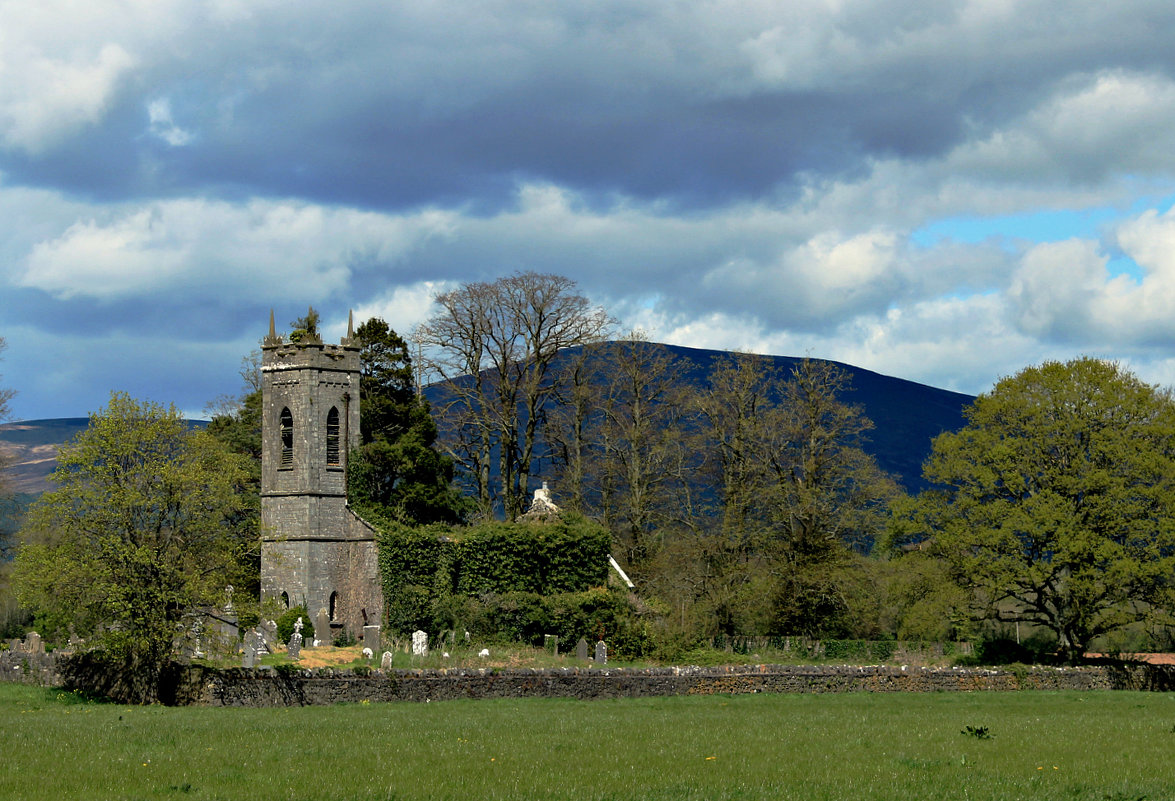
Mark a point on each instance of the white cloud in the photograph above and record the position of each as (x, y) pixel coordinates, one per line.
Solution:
(44, 100)
(201, 249)
(163, 126)
(1093, 127)
(403, 308)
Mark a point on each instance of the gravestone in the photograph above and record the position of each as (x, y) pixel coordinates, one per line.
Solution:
(322, 629)
(197, 634)
(368, 654)
(249, 658)
(34, 644)
(371, 639)
(269, 634)
(294, 649)
(419, 643)
(551, 644)
(385, 662)
(263, 643)
(581, 650)
(601, 653)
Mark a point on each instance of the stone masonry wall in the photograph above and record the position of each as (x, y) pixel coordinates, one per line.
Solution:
(326, 686)
(29, 668)
(293, 687)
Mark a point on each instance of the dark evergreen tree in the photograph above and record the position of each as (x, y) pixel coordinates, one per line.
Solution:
(397, 469)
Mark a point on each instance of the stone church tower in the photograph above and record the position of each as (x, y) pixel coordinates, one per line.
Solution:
(314, 550)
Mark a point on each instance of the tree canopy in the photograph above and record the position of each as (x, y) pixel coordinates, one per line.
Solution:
(1057, 501)
(396, 468)
(493, 345)
(135, 535)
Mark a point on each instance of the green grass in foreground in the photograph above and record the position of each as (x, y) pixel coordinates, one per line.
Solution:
(1098, 746)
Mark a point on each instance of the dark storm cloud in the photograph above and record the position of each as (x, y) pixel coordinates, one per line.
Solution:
(385, 107)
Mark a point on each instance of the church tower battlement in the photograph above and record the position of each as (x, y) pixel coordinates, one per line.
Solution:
(314, 551)
(310, 395)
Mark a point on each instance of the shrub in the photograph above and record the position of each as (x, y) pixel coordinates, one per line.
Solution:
(487, 577)
(285, 624)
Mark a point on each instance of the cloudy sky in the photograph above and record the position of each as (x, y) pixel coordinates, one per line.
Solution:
(938, 190)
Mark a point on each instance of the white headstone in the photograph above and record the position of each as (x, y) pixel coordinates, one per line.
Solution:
(419, 643)
(385, 661)
(484, 652)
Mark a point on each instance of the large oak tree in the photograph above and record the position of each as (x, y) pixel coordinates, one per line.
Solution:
(1057, 501)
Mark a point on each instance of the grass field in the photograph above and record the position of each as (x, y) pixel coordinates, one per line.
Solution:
(1116, 746)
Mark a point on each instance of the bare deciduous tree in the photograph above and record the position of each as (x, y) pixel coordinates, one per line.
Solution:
(493, 344)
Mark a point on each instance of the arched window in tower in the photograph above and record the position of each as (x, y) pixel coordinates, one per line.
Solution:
(334, 606)
(287, 430)
(332, 437)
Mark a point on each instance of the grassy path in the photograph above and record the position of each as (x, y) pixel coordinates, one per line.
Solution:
(1107, 746)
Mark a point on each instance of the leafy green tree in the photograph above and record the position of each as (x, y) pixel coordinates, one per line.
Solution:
(13, 618)
(134, 536)
(396, 467)
(1057, 501)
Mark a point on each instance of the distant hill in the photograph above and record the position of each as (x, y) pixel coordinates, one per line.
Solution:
(31, 446)
(906, 415)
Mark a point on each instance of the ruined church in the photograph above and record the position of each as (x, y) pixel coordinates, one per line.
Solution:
(315, 551)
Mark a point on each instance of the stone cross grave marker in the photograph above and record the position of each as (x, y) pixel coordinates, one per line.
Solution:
(601, 653)
(197, 635)
(581, 650)
(419, 643)
(322, 636)
(295, 647)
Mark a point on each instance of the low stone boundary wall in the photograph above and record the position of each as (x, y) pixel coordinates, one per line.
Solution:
(29, 668)
(311, 687)
(289, 686)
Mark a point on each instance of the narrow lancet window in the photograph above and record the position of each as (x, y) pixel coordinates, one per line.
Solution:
(287, 429)
(332, 437)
